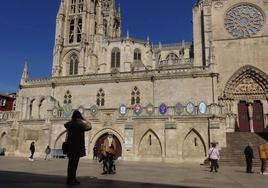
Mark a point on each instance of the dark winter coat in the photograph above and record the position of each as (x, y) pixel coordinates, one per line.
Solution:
(248, 152)
(32, 148)
(76, 137)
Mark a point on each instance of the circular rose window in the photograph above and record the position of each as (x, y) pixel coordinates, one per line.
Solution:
(244, 21)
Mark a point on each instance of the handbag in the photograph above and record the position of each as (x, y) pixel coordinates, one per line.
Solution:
(64, 146)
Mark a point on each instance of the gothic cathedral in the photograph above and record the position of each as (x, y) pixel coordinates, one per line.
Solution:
(163, 103)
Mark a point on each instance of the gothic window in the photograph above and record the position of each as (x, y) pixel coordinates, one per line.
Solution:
(135, 96)
(137, 55)
(73, 6)
(80, 6)
(79, 30)
(73, 65)
(2, 102)
(115, 60)
(67, 97)
(244, 20)
(75, 29)
(172, 57)
(71, 32)
(76, 6)
(106, 4)
(101, 98)
(31, 108)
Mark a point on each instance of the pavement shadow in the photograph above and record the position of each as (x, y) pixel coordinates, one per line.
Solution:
(30, 180)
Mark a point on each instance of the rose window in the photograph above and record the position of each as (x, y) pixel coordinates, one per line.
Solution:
(244, 21)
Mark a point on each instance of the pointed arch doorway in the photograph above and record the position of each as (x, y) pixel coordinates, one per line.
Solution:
(100, 141)
(248, 87)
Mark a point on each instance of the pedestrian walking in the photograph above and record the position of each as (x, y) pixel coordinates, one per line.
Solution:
(214, 156)
(109, 150)
(47, 152)
(32, 150)
(248, 152)
(263, 157)
(75, 144)
(95, 153)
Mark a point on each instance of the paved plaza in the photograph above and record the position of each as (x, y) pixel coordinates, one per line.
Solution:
(21, 173)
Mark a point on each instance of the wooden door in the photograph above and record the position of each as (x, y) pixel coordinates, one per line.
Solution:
(258, 119)
(244, 125)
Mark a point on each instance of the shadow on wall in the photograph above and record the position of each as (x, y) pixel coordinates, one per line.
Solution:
(29, 180)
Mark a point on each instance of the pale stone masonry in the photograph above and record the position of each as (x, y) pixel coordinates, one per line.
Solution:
(190, 94)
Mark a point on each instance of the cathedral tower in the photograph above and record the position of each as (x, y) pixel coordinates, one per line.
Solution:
(81, 26)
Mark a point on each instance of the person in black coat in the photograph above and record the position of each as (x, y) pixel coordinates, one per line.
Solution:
(75, 144)
(32, 150)
(249, 157)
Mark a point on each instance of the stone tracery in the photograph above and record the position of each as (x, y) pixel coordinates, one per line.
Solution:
(247, 83)
(244, 21)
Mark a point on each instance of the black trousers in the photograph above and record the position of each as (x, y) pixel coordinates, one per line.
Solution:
(214, 165)
(72, 167)
(108, 163)
(32, 154)
(263, 165)
(249, 164)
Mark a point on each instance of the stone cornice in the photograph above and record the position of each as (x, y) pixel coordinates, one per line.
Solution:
(152, 75)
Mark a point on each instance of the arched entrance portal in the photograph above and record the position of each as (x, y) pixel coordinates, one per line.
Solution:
(118, 145)
(248, 89)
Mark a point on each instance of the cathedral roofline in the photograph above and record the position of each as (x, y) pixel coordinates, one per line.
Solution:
(158, 74)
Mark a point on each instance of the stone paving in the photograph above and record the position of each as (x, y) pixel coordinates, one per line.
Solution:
(21, 173)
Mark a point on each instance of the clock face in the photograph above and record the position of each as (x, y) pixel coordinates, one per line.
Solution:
(244, 20)
(190, 108)
(202, 108)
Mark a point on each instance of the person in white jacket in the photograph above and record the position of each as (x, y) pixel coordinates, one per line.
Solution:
(214, 156)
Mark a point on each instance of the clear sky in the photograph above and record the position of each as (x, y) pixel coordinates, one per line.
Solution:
(28, 27)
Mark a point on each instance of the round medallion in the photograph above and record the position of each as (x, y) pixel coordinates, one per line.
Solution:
(202, 108)
(178, 108)
(163, 109)
(190, 108)
(123, 110)
(137, 108)
(150, 109)
(244, 21)
(94, 110)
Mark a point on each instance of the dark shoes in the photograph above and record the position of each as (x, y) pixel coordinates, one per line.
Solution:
(104, 173)
(72, 182)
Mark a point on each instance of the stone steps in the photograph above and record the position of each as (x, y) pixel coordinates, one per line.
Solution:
(233, 154)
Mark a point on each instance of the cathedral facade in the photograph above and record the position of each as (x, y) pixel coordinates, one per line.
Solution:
(162, 103)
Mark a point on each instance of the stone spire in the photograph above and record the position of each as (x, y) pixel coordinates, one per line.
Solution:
(25, 76)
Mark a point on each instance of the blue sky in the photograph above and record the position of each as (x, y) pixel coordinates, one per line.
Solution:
(28, 27)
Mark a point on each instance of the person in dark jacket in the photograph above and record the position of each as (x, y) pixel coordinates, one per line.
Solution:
(76, 144)
(249, 157)
(32, 150)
